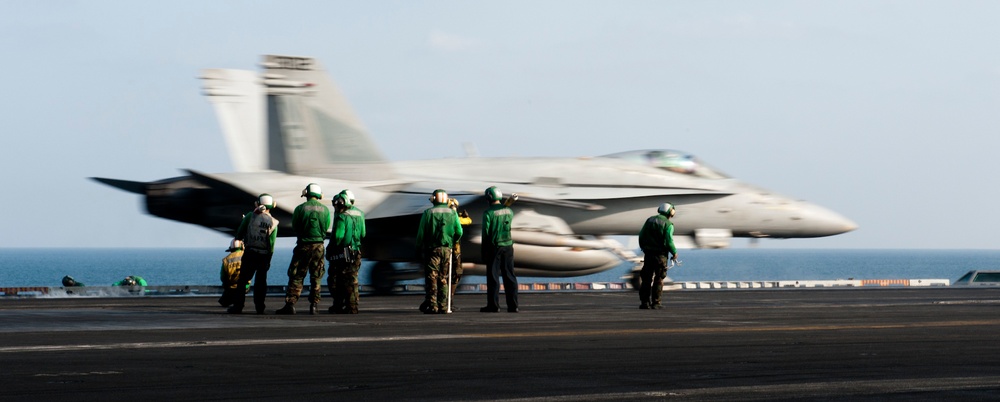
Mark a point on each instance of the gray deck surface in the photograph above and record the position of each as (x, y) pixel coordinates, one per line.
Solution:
(836, 344)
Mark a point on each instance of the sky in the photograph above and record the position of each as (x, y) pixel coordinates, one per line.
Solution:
(887, 112)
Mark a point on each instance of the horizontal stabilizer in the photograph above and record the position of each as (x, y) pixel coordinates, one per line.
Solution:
(137, 187)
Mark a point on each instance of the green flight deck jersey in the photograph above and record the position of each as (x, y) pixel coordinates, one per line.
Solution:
(348, 229)
(657, 236)
(310, 221)
(496, 225)
(439, 227)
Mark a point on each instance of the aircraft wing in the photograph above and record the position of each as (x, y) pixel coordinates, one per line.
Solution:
(413, 200)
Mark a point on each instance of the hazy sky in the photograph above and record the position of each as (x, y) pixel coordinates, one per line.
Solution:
(887, 112)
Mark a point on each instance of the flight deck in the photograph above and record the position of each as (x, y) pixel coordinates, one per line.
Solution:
(884, 343)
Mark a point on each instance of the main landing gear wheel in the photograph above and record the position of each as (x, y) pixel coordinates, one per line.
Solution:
(382, 280)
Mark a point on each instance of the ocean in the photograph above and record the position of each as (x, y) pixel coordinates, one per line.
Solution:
(200, 266)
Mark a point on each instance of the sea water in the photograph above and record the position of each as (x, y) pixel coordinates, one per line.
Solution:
(200, 266)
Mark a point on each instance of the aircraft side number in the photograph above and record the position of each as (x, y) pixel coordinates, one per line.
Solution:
(293, 63)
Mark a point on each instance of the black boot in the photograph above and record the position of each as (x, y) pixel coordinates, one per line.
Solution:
(289, 309)
(312, 308)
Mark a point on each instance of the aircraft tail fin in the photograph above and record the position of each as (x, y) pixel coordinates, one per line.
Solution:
(239, 105)
(311, 129)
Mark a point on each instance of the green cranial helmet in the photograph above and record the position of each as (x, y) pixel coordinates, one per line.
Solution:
(313, 190)
(439, 197)
(666, 209)
(128, 281)
(348, 197)
(494, 193)
(69, 281)
(340, 200)
(266, 200)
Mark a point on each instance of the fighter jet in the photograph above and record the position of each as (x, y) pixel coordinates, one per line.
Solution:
(290, 126)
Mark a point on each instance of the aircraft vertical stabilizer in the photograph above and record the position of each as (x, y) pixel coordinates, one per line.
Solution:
(239, 103)
(312, 123)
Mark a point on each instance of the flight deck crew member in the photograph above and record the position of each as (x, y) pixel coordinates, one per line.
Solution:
(344, 253)
(310, 221)
(456, 255)
(230, 272)
(438, 232)
(258, 231)
(131, 280)
(68, 281)
(656, 239)
(498, 253)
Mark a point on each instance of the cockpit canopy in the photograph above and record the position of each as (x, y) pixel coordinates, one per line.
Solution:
(670, 160)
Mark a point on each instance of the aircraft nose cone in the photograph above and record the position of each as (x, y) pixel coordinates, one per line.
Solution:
(820, 221)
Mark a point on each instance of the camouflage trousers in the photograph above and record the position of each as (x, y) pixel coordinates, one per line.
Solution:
(456, 271)
(436, 277)
(654, 269)
(456, 277)
(343, 282)
(307, 259)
